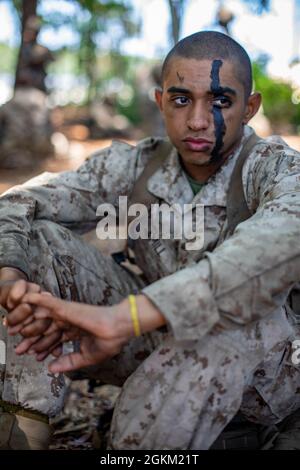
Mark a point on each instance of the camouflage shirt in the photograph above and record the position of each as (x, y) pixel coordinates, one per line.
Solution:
(232, 280)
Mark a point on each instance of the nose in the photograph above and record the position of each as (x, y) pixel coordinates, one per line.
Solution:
(199, 117)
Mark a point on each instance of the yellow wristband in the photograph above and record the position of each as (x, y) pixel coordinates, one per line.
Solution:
(134, 315)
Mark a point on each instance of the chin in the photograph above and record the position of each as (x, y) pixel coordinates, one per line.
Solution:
(198, 159)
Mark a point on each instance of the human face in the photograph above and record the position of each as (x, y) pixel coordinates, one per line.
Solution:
(204, 109)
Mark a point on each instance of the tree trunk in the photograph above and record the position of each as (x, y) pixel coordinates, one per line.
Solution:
(176, 11)
(29, 8)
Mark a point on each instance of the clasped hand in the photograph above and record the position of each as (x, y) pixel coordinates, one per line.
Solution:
(46, 322)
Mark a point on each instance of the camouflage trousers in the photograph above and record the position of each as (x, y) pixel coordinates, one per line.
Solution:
(69, 268)
(175, 395)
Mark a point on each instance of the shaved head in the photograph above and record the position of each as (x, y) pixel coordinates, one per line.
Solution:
(213, 45)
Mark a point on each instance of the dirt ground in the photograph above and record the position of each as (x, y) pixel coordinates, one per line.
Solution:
(84, 422)
(79, 151)
(85, 419)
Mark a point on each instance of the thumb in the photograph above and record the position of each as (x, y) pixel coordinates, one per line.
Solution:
(67, 363)
(46, 300)
(15, 294)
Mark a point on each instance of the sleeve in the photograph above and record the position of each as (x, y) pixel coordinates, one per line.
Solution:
(69, 198)
(251, 273)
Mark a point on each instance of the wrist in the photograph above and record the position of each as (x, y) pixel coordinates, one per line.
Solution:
(148, 316)
(13, 273)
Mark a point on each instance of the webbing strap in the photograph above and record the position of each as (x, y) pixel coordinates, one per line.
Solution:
(19, 410)
(140, 193)
(237, 208)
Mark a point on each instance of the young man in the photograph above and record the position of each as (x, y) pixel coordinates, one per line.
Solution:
(210, 333)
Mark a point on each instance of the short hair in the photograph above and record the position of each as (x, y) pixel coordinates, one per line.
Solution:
(213, 45)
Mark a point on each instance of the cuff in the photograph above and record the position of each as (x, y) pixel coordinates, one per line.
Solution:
(186, 301)
(11, 256)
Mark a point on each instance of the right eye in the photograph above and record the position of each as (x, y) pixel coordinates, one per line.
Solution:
(181, 100)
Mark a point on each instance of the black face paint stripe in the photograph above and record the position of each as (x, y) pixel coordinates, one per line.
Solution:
(225, 89)
(220, 127)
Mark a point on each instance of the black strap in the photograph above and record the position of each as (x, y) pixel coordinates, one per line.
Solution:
(237, 208)
(140, 193)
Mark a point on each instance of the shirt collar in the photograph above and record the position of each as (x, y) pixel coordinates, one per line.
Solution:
(170, 183)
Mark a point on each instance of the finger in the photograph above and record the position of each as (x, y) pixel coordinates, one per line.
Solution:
(4, 291)
(42, 356)
(66, 311)
(51, 329)
(42, 312)
(18, 290)
(28, 320)
(47, 301)
(55, 351)
(25, 345)
(17, 316)
(13, 330)
(46, 343)
(37, 327)
(71, 335)
(68, 362)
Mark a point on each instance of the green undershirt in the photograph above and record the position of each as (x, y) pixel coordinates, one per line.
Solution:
(195, 185)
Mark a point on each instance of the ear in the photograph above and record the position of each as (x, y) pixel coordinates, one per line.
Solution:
(158, 98)
(253, 104)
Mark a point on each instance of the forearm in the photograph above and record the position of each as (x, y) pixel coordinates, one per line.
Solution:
(149, 316)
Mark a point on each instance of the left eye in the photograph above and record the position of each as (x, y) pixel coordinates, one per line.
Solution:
(221, 102)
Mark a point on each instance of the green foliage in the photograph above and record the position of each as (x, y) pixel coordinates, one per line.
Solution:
(8, 58)
(100, 25)
(65, 62)
(277, 102)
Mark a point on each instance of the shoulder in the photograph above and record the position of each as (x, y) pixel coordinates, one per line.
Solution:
(272, 154)
(148, 148)
(272, 163)
(116, 152)
(151, 144)
(127, 158)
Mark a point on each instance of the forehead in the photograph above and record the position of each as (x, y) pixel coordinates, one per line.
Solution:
(193, 72)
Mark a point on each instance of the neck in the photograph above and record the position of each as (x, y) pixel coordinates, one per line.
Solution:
(201, 173)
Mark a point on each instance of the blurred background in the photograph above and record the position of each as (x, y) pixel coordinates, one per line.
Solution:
(76, 73)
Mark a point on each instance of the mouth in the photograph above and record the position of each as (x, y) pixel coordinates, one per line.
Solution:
(197, 144)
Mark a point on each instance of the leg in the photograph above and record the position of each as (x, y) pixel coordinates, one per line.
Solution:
(67, 267)
(185, 393)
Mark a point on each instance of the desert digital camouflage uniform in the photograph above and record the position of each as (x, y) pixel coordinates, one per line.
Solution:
(227, 343)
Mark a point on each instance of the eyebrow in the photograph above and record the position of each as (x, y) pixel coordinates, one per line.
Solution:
(216, 91)
(175, 89)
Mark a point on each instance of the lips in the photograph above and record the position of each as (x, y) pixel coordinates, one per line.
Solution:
(197, 145)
